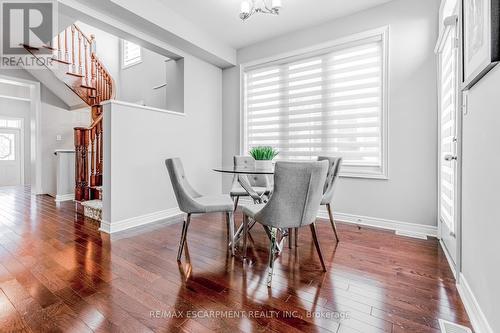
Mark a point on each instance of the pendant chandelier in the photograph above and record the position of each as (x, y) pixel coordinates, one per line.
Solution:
(250, 7)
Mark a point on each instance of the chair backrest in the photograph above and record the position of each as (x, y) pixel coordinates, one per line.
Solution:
(331, 177)
(184, 193)
(248, 162)
(297, 194)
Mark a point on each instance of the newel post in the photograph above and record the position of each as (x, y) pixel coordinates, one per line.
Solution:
(81, 166)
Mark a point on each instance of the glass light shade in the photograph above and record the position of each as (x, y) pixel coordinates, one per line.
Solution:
(245, 7)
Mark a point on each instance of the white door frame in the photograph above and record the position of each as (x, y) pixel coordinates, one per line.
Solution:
(457, 265)
(21, 144)
(461, 100)
(35, 122)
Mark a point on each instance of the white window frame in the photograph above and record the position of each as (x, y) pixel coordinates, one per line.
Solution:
(133, 63)
(383, 32)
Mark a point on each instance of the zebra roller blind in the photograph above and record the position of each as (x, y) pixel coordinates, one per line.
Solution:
(131, 54)
(327, 103)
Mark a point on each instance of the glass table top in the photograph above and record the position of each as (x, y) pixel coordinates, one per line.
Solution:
(245, 170)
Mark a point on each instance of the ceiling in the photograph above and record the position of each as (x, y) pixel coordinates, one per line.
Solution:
(220, 17)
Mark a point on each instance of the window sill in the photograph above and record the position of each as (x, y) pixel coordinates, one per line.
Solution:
(364, 176)
(131, 64)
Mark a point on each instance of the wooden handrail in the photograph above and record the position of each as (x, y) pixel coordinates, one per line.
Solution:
(83, 34)
(96, 121)
(94, 85)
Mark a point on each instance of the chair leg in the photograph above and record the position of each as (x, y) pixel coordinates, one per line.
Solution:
(230, 219)
(316, 243)
(245, 235)
(290, 237)
(296, 237)
(272, 232)
(236, 199)
(332, 222)
(185, 227)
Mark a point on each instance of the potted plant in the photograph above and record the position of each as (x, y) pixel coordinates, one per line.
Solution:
(263, 156)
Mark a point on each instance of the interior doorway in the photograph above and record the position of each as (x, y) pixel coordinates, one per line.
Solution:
(20, 141)
(449, 65)
(12, 152)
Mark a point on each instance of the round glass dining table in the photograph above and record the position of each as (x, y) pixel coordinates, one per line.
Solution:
(247, 170)
(241, 172)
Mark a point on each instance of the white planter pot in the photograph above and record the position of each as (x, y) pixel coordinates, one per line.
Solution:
(263, 164)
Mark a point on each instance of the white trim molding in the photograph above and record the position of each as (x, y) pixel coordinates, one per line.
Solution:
(64, 197)
(402, 228)
(169, 216)
(476, 315)
(143, 107)
(407, 229)
(34, 126)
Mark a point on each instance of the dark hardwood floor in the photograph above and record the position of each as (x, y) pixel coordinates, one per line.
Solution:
(59, 273)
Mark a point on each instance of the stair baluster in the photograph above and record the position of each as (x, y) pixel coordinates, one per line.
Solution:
(93, 82)
(66, 53)
(92, 133)
(73, 62)
(86, 62)
(80, 68)
(59, 51)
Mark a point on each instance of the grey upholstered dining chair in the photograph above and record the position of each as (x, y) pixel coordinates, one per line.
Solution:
(295, 202)
(191, 202)
(260, 183)
(328, 189)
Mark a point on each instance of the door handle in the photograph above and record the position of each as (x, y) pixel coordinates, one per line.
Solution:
(450, 157)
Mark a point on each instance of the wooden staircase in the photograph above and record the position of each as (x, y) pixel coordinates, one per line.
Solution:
(76, 64)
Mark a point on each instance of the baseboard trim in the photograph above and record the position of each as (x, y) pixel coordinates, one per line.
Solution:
(404, 228)
(64, 197)
(168, 215)
(411, 234)
(476, 315)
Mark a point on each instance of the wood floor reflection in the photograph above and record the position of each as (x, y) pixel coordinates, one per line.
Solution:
(59, 273)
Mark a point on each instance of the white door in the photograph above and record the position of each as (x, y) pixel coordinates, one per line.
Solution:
(448, 110)
(10, 157)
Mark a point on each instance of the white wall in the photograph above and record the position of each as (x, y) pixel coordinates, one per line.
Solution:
(480, 195)
(46, 95)
(136, 83)
(57, 121)
(137, 140)
(231, 87)
(410, 193)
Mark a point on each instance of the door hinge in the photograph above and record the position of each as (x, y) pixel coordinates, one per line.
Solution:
(456, 43)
